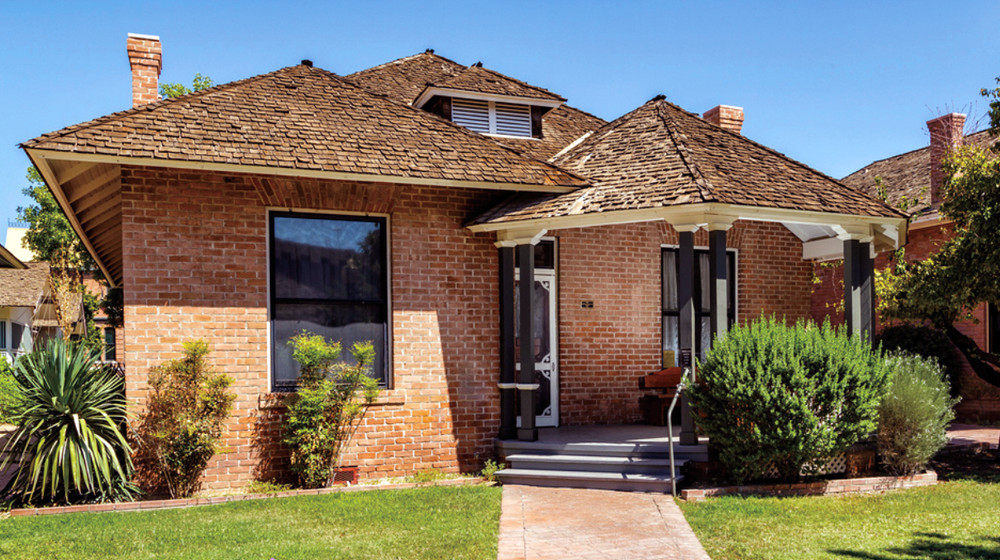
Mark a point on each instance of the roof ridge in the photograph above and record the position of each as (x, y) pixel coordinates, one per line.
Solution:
(595, 135)
(150, 106)
(429, 52)
(705, 186)
(513, 79)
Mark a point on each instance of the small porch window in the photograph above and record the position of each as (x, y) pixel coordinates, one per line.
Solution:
(328, 277)
(702, 307)
(110, 350)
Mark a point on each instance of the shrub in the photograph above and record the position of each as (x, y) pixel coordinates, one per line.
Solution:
(10, 392)
(490, 468)
(68, 444)
(923, 341)
(332, 398)
(773, 395)
(185, 414)
(914, 414)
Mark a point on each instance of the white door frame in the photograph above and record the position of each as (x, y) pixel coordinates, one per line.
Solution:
(550, 418)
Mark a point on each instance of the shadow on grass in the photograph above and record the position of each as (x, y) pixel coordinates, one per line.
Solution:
(934, 546)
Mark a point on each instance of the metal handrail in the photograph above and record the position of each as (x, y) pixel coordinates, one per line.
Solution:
(670, 428)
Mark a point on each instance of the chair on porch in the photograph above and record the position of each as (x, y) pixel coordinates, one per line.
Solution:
(655, 406)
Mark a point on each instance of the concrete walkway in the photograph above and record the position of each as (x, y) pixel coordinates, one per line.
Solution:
(968, 434)
(568, 523)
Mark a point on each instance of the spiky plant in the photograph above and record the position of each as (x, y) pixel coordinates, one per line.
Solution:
(68, 444)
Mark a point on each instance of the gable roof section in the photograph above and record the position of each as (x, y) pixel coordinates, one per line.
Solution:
(906, 176)
(403, 80)
(23, 287)
(661, 156)
(477, 79)
(9, 260)
(304, 119)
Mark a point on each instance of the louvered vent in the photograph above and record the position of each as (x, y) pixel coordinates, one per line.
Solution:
(472, 114)
(490, 117)
(513, 120)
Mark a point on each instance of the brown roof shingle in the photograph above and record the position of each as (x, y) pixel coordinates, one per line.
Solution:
(304, 118)
(23, 287)
(483, 80)
(660, 155)
(404, 79)
(905, 176)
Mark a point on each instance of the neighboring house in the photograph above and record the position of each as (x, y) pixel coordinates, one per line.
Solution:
(28, 306)
(913, 181)
(409, 204)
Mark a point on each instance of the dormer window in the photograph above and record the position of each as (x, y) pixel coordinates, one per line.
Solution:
(492, 117)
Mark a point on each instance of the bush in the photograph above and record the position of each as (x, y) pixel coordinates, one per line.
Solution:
(914, 414)
(185, 414)
(923, 341)
(332, 398)
(773, 395)
(68, 444)
(10, 392)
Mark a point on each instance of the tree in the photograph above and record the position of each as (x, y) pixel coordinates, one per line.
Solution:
(944, 287)
(171, 90)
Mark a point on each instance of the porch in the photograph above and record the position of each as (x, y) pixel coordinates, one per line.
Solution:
(631, 457)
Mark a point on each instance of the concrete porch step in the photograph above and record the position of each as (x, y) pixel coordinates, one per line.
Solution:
(631, 482)
(606, 449)
(592, 463)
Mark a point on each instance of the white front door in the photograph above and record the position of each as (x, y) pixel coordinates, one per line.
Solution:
(546, 336)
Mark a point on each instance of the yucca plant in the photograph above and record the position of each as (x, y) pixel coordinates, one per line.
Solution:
(68, 444)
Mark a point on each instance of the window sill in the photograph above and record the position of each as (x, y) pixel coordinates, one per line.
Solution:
(277, 399)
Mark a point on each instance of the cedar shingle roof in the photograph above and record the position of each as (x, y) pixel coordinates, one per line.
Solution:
(23, 287)
(906, 176)
(403, 80)
(660, 155)
(304, 118)
(482, 80)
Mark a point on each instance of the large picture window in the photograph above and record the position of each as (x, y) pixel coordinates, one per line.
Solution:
(328, 277)
(702, 305)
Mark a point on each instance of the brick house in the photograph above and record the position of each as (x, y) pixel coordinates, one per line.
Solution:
(405, 204)
(913, 180)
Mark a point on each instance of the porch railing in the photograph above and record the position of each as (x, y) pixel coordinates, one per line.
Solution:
(685, 378)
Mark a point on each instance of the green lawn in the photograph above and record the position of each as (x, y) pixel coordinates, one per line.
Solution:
(951, 521)
(431, 522)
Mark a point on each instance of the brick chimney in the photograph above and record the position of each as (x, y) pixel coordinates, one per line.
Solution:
(726, 116)
(946, 135)
(145, 56)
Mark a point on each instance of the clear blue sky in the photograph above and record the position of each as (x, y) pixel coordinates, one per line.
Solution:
(835, 85)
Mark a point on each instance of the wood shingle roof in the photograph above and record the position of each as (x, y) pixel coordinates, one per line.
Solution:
(304, 118)
(660, 155)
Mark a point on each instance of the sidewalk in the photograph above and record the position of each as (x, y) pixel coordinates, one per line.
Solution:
(968, 434)
(568, 523)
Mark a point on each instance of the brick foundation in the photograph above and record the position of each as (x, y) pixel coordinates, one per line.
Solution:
(821, 488)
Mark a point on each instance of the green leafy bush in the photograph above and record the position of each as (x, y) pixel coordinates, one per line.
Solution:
(773, 395)
(332, 398)
(68, 444)
(490, 468)
(10, 392)
(914, 414)
(186, 411)
(924, 341)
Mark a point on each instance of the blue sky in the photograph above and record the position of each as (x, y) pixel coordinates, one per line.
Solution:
(835, 85)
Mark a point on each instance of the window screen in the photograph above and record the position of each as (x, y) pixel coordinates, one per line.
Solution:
(328, 277)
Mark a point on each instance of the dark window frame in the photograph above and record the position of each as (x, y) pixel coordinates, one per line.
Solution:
(3, 334)
(993, 329)
(699, 313)
(273, 300)
(110, 345)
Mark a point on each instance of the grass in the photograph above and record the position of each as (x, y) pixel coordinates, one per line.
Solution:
(957, 520)
(431, 522)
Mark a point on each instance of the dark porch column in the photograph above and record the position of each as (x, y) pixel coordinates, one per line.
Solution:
(685, 302)
(719, 287)
(526, 383)
(859, 296)
(508, 383)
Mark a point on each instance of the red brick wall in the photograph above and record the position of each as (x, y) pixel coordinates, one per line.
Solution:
(604, 349)
(195, 261)
(980, 400)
